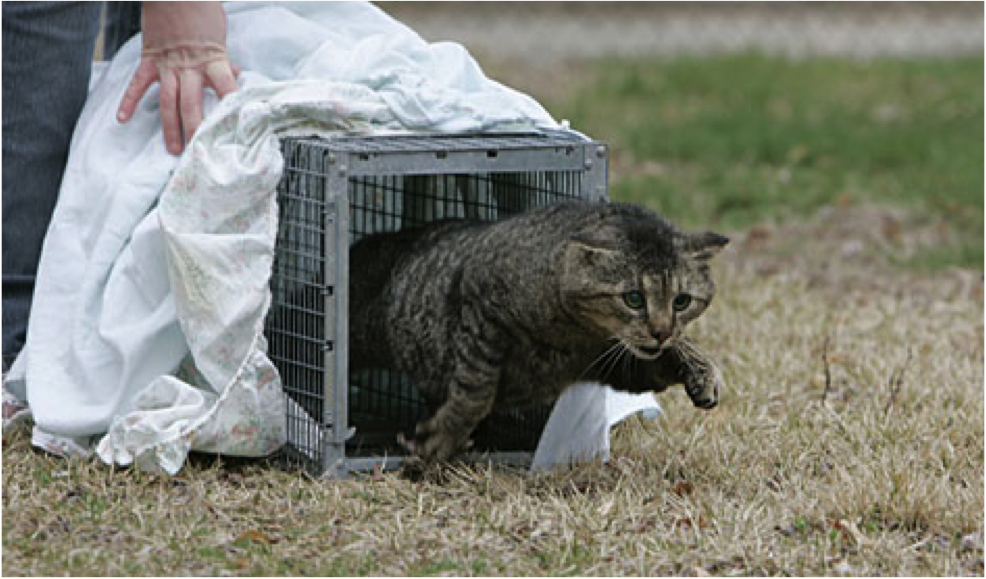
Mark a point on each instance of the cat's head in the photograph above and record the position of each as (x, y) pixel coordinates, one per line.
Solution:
(631, 276)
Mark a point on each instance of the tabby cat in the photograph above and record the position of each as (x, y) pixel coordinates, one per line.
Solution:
(513, 312)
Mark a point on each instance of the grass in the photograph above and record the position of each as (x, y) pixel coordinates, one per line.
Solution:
(850, 439)
(787, 477)
(739, 140)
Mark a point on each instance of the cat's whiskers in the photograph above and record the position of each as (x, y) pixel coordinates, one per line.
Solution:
(623, 355)
(629, 362)
(604, 358)
(615, 361)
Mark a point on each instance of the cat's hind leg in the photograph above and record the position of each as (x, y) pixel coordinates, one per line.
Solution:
(470, 395)
(446, 433)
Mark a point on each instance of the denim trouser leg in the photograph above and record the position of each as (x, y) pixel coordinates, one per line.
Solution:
(122, 22)
(47, 58)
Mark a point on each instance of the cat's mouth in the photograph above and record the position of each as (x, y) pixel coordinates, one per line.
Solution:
(648, 352)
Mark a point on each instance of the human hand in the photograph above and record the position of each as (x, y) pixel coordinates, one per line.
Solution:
(184, 49)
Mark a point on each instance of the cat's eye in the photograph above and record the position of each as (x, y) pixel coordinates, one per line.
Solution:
(681, 302)
(634, 300)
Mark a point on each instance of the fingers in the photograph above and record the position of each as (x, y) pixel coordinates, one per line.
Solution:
(190, 96)
(170, 121)
(221, 76)
(144, 77)
(180, 96)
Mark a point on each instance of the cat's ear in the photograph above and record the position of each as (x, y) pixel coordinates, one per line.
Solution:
(603, 238)
(590, 257)
(703, 246)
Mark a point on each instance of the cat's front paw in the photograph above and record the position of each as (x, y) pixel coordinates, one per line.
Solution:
(703, 383)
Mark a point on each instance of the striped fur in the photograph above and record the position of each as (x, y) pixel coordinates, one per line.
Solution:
(513, 312)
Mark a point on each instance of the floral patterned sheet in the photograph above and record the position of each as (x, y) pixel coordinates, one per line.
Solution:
(146, 335)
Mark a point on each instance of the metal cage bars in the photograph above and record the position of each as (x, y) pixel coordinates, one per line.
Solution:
(333, 192)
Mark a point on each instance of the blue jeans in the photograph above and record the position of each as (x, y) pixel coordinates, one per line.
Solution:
(122, 21)
(47, 58)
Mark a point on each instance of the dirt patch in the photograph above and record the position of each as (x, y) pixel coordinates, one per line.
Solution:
(852, 249)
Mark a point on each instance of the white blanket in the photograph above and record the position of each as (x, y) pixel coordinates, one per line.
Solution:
(146, 331)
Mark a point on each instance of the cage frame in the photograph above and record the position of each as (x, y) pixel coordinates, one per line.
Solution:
(354, 156)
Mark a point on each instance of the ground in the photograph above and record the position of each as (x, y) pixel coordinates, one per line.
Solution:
(849, 441)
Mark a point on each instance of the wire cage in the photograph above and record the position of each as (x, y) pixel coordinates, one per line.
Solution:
(333, 192)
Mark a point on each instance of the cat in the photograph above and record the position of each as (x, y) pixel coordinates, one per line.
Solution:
(512, 312)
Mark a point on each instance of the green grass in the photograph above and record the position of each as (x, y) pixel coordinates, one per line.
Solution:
(737, 140)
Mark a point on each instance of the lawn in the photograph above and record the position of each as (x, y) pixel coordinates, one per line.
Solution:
(735, 141)
(848, 324)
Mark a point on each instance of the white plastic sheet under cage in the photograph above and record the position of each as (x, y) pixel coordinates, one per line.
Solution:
(146, 329)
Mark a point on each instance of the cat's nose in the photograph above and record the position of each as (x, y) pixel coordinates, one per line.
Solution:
(661, 336)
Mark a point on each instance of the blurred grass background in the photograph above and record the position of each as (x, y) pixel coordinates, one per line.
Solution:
(736, 114)
(735, 140)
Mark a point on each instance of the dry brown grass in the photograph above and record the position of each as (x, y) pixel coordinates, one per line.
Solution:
(850, 441)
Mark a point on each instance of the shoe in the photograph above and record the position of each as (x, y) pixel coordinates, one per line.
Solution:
(15, 412)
